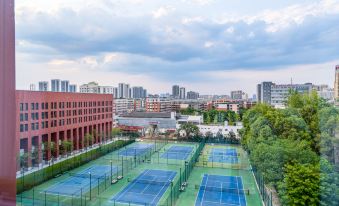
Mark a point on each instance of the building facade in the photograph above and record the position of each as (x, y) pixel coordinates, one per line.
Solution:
(43, 86)
(158, 105)
(336, 84)
(73, 88)
(55, 85)
(237, 95)
(280, 92)
(64, 86)
(264, 92)
(45, 117)
(175, 91)
(182, 94)
(192, 95)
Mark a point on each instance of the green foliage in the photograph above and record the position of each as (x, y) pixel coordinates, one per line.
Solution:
(215, 117)
(300, 185)
(292, 146)
(115, 132)
(190, 130)
(188, 111)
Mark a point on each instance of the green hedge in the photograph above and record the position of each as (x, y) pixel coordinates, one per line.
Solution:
(31, 180)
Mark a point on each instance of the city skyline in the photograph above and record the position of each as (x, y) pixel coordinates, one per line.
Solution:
(194, 47)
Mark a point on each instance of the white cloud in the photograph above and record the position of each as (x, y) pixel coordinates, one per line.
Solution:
(162, 11)
(209, 44)
(199, 2)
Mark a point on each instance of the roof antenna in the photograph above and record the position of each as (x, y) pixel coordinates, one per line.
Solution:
(291, 81)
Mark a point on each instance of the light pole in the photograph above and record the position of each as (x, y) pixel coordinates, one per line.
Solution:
(90, 185)
(111, 171)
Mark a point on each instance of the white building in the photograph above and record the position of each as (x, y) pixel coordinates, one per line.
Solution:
(123, 106)
(93, 87)
(280, 93)
(220, 129)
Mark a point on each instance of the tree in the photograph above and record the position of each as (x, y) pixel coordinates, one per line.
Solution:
(115, 131)
(188, 111)
(300, 185)
(88, 139)
(190, 130)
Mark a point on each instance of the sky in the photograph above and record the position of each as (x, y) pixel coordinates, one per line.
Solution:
(208, 46)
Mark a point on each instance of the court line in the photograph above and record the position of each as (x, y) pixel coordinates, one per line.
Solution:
(168, 179)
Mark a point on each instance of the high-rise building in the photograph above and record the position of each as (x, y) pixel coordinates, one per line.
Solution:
(64, 86)
(259, 93)
(182, 94)
(138, 92)
(175, 91)
(43, 86)
(123, 90)
(336, 84)
(93, 87)
(192, 95)
(264, 92)
(115, 92)
(72, 88)
(55, 85)
(32, 87)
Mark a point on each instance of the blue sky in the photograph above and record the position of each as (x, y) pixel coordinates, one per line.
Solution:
(210, 46)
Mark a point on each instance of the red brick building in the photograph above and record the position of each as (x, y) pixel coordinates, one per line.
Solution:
(44, 117)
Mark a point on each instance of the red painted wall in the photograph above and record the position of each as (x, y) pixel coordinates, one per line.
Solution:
(7, 104)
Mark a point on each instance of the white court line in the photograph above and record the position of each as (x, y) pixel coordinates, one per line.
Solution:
(238, 192)
(169, 178)
(126, 190)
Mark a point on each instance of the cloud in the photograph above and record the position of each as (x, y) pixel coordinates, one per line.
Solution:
(168, 42)
(162, 11)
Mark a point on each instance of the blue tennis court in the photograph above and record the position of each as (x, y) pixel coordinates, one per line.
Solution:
(136, 149)
(177, 152)
(80, 182)
(146, 189)
(227, 155)
(221, 190)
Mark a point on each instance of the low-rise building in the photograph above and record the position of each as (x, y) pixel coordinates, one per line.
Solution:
(45, 117)
(158, 105)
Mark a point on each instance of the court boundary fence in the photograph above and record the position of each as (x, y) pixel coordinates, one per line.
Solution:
(29, 181)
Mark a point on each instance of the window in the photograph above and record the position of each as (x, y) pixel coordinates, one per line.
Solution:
(22, 128)
(32, 116)
(21, 106)
(26, 127)
(37, 106)
(21, 118)
(42, 105)
(32, 106)
(32, 126)
(46, 105)
(26, 106)
(26, 116)
(37, 126)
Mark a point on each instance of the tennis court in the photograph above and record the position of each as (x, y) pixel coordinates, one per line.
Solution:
(147, 188)
(221, 190)
(177, 152)
(223, 155)
(137, 149)
(80, 182)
